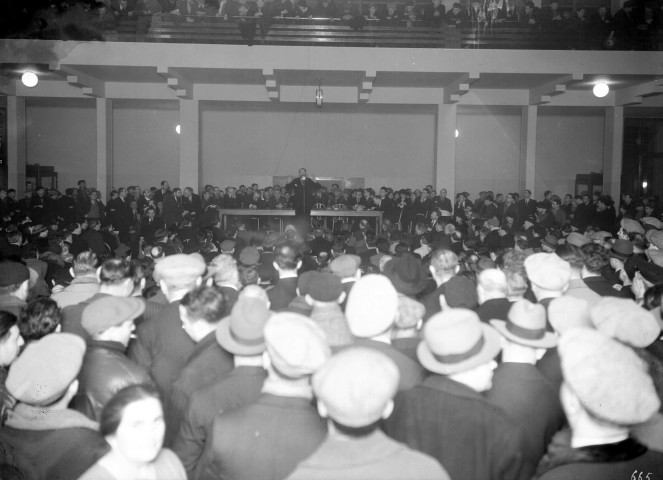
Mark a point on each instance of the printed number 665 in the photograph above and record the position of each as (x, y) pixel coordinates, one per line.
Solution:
(640, 477)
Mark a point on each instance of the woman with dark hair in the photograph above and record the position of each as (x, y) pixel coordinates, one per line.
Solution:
(41, 317)
(10, 345)
(132, 423)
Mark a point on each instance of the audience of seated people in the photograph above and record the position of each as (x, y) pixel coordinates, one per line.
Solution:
(635, 25)
(489, 336)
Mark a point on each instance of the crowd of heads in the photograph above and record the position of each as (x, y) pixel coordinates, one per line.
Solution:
(448, 291)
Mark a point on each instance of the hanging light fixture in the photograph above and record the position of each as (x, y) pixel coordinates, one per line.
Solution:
(319, 96)
(29, 79)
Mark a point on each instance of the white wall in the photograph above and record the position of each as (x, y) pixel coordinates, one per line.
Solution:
(388, 145)
(488, 149)
(146, 147)
(62, 133)
(569, 142)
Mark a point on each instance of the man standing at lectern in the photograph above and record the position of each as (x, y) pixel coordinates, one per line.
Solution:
(303, 188)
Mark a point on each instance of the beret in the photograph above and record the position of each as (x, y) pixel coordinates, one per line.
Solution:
(624, 320)
(356, 385)
(631, 226)
(324, 287)
(655, 237)
(548, 271)
(13, 273)
(180, 269)
(608, 377)
(567, 312)
(109, 311)
(652, 221)
(296, 345)
(345, 265)
(372, 306)
(44, 370)
(249, 256)
(227, 245)
(577, 239)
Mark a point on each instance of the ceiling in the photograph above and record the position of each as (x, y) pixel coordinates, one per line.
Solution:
(348, 75)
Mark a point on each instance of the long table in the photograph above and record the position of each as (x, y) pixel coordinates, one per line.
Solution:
(250, 212)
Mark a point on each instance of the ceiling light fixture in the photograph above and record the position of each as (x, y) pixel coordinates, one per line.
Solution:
(30, 79)
(456, 133)
(178, 129)
(601, 89)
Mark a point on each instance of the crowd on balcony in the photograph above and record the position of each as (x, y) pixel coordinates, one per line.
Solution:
(636, 25)
(499, 337)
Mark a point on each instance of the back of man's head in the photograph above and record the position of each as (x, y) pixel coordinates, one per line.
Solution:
(85, 263)
(492, 284)
(287, 257)
(444, 262)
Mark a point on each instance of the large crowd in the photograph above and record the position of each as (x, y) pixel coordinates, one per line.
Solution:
(636, 25)
(493, 337)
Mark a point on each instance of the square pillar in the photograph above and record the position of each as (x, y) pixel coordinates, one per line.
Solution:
(613, 151)
(16, 148)
(190, 144)
(527, 177)
(445, 149)
(104, 176)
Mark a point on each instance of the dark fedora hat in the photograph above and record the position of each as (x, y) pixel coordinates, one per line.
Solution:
(406, 274)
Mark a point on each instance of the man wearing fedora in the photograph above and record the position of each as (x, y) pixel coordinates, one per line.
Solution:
(270, 437)
(606, 391)
(519, 388)
(241, 334)
(468, 435)
(354, 390)
(201, 310)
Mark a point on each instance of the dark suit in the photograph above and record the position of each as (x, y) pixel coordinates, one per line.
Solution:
(495, 308)
(468, 435)
(282, 293)
(411, 372)
(526, 208)
(162, 346)
(604, 288)
(263, 441)
(241, 387)
(208, 363)
(532, 402)
(148, 228)
(303, 191)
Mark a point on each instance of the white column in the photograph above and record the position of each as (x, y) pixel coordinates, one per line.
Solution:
(104, 177)
(445, 149)
(613, 149)
(16, 148)
(190, 144)
(527, 178)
